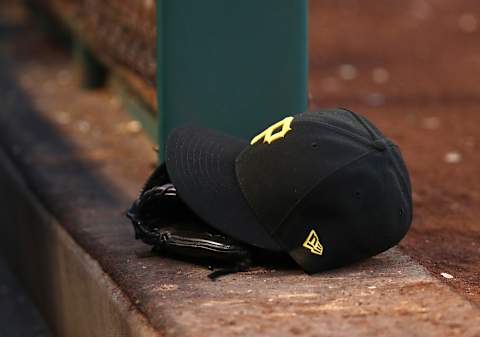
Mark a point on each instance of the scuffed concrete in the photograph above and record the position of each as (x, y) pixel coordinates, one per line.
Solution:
(387, 295)
(70, 288)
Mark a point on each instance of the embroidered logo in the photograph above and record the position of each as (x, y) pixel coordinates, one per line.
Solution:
(274, 132)
(313, 244)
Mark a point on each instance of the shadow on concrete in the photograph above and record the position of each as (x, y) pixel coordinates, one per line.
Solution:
(18, 316)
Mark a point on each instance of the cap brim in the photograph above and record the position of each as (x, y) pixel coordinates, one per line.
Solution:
(201, 165)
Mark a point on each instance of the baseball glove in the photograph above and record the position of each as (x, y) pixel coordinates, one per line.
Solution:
(161, 219)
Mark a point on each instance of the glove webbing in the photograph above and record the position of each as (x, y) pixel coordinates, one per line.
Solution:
(162, 220)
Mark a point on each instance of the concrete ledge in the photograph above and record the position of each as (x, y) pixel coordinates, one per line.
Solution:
(73, 292)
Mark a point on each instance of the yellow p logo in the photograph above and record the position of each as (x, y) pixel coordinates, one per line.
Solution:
(269, 135)
(313, 244)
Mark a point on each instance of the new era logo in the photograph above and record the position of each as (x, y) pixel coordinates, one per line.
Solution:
(313, 244)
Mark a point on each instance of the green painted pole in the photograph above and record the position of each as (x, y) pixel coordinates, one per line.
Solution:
(236, 66)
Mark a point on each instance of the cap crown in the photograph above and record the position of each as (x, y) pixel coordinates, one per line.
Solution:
(330, 188)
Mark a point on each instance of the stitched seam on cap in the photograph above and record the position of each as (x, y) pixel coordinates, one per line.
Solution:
(240, 185)
(367, 127)
(340, 131)
(265, 228)
(353, 161)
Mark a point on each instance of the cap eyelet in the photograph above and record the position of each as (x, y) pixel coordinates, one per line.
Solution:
(379, 144)
(314, 145)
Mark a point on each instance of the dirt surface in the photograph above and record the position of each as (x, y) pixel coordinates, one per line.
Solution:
(413, 67)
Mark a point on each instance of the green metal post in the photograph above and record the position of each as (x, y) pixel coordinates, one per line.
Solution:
(235, 66)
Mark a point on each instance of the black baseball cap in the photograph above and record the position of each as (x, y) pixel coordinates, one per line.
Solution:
(327, 187)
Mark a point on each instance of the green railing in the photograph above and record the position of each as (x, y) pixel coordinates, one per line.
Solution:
(235, 66)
